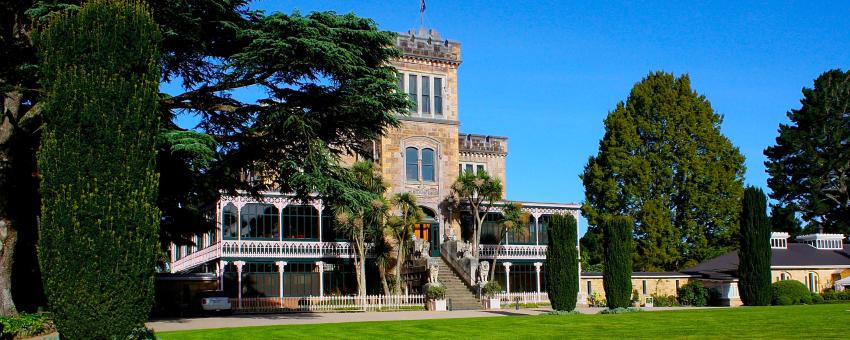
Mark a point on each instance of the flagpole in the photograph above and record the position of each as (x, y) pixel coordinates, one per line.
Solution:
(421, 14)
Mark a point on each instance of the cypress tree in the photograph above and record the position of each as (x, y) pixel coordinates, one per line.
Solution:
(754, 255)
(562, 263)
(617, 274)
(98, 235)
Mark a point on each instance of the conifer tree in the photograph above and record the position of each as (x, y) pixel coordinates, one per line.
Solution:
(809, 166)
(617, 274)
(98, 234)
(754, 255)
(562, 263)
(665, 163)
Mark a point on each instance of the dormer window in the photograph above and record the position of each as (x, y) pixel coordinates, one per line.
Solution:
(779, 240)
(823, 241)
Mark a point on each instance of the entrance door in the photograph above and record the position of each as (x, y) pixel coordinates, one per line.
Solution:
(435, 239)
(429, 232)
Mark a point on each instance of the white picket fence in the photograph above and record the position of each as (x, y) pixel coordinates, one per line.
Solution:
(524, 298)
(371, 303)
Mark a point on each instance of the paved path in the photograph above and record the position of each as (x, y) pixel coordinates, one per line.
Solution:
(314, 318)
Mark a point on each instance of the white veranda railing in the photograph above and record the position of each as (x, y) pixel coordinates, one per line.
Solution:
(523, 298)
(520, 251)
(372, 303)
(267, 249)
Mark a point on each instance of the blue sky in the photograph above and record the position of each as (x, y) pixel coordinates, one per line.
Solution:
(546, 73)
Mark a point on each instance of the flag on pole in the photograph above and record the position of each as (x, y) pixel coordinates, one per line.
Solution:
(422, 6)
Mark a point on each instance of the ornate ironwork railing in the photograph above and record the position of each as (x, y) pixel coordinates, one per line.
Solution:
(529, 252)
(268, 249)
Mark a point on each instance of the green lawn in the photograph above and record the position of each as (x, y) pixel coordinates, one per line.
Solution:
(823, 321)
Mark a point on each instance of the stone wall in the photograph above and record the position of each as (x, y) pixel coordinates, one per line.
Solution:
(654, 285)
(826, 277)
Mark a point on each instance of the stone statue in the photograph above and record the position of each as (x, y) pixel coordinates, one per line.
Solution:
(433, 271)
(421, 248)
(451, 234)
(465, 249)
(483, 271)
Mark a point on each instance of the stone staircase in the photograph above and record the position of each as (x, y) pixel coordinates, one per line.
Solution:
(459, 295)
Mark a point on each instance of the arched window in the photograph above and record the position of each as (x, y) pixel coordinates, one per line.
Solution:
(230, 222)
(784, 276)
(812, 282)
(411, 161)
(260, 221)
(428, 165)
(300, 222)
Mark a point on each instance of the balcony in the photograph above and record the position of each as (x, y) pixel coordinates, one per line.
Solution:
(247, 249)
(516, 252)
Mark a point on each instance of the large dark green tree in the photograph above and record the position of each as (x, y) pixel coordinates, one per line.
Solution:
(617, 273)
(323, 84)
(664, 162)
(98, 232)
(754, 255)
(562, 262)
(809, 166)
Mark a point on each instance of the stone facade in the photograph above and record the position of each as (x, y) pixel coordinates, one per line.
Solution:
(656, 284)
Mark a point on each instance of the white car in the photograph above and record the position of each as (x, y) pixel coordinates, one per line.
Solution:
(215, 301)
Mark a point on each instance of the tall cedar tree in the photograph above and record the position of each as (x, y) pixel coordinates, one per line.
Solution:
(328, 85)
(754, 255)
(809, 166)
(98, 235)
(617, 273)
(664, 162)
(562, 262)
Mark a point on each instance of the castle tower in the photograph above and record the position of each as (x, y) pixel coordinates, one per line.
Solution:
(421, 156)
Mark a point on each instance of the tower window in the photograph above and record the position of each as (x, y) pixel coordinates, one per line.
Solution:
(428, 165)
(411, 156)
(438, 96)
(411, 91)
(426, 95)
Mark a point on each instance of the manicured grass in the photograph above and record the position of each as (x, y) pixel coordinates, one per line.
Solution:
(823, 321)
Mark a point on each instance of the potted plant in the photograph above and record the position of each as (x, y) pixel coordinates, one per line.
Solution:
(635, 298)
(436, 297)
(489, 290)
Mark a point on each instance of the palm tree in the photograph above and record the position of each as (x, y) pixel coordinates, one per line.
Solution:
(402, 225)
(480, 191)
(358, 210)
(513, 221)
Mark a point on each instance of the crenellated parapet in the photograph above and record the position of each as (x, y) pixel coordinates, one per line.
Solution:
(483, 144)
(427, 45)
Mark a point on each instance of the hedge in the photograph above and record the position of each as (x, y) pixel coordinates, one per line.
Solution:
(98, 233)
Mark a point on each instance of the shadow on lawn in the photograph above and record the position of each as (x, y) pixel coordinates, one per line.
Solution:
(228, 318)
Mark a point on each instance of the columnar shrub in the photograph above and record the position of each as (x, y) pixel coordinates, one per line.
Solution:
(754, 255)
(99, 225)
(617, 274)
(562, 263)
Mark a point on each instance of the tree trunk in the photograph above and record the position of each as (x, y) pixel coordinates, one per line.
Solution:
(9, 239)
(8, 234)
(399, 262)
(383, 272)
